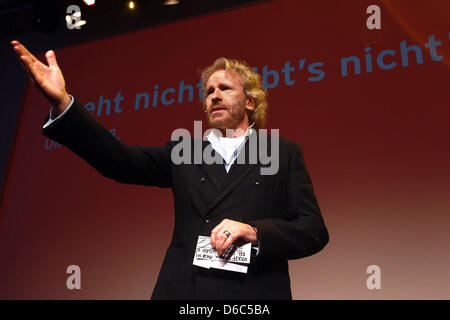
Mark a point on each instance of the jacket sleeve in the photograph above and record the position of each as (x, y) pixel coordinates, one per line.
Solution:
(303, 232)
(82, 134)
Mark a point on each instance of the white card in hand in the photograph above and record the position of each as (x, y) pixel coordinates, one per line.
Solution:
(204, 253)
(206, 257)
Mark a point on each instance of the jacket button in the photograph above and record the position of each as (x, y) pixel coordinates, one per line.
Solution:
(207, 220)
(256, 183)
(202, 180)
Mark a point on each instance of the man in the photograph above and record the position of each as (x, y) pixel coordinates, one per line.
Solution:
(232, 202)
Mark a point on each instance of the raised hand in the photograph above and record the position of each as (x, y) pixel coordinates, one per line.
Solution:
(47, 78)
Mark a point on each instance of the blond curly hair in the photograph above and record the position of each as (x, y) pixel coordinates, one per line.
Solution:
(252, 87)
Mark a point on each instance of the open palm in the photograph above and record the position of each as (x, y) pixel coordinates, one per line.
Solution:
(47, 78)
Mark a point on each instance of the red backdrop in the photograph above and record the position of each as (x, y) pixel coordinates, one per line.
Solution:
(375, 144)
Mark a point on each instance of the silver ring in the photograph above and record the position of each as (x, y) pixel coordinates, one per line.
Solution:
(227, 233)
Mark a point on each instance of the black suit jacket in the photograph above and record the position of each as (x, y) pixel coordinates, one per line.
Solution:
(282, 207)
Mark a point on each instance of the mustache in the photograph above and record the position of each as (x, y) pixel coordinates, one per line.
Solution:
(217, 105)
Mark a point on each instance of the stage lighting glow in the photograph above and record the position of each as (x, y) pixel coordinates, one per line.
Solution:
(171, 2)
(131, 5)
(89, 2)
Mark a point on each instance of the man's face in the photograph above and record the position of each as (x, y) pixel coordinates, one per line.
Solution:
(226, 102)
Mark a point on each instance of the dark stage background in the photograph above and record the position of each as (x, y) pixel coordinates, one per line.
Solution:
(375, 143)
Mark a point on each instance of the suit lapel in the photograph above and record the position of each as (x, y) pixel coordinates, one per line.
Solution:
(215, 172)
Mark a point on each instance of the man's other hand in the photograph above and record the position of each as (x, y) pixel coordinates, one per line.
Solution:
(229, 232)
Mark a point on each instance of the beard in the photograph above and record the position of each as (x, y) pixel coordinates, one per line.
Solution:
(227, 119)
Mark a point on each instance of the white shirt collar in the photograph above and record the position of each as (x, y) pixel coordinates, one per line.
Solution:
(228, 148)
